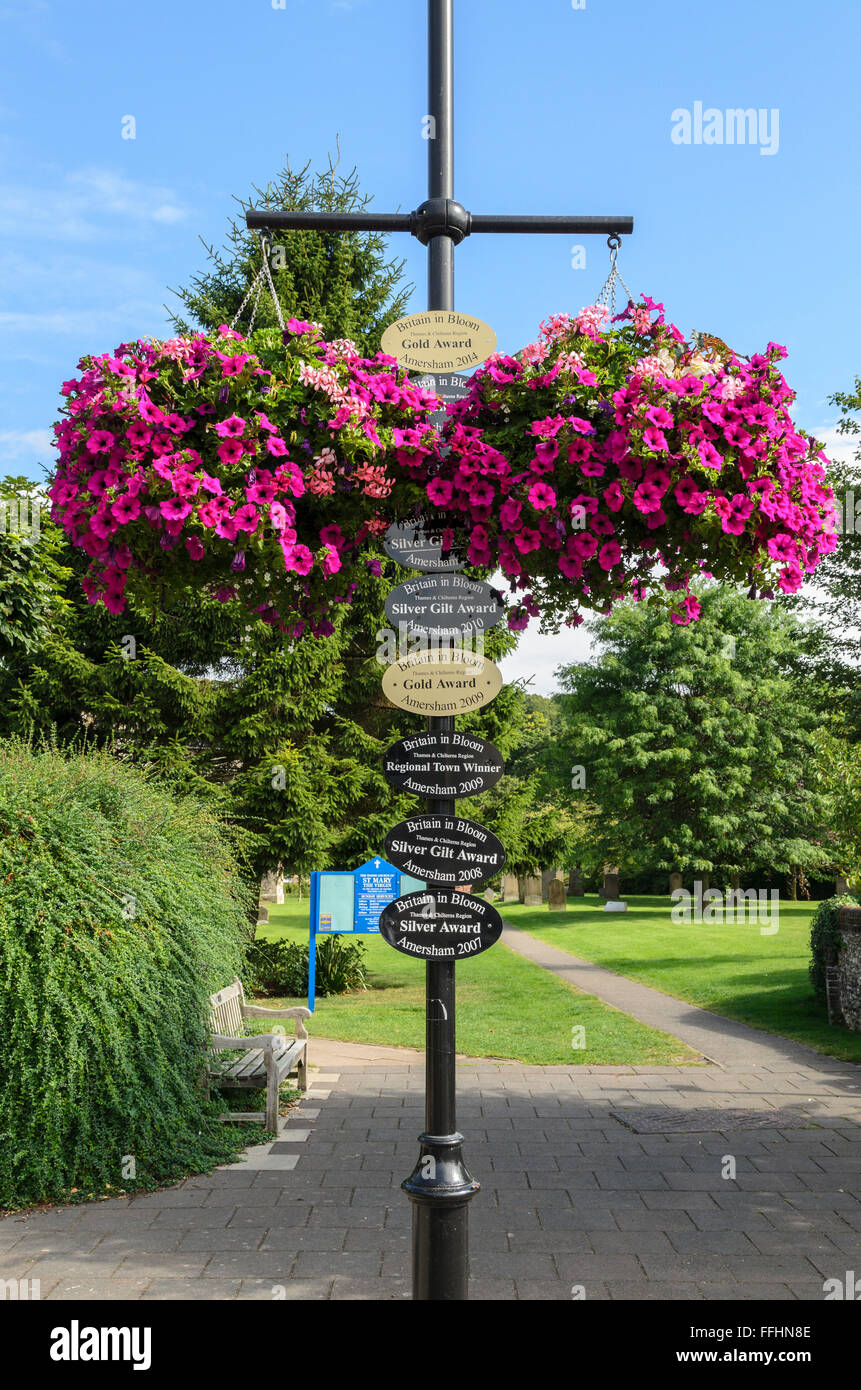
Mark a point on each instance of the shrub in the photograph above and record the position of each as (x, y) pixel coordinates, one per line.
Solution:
(121, 910)
(281, 967)
(825, 940)
(277, 967)
(340, 966)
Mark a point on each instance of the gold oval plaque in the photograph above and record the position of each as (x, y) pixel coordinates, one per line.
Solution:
(440, 340)
(425, 684)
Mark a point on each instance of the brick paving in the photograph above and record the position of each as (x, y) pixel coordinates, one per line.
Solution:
(570, 1197)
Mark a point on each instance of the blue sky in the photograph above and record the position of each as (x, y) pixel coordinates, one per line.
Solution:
(557, 110)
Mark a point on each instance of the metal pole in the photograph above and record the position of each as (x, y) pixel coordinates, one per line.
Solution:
(440, 1187)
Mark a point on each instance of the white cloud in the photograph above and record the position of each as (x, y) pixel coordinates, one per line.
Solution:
(77, 207)
(26, 446)
(539, 654)
(837, 447)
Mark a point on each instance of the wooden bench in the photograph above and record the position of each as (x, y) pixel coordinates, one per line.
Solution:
(267, 1062)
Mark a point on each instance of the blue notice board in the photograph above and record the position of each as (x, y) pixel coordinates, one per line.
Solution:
(352, 901)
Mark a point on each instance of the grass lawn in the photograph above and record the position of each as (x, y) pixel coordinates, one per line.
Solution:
(729, 968)
(507, 1007)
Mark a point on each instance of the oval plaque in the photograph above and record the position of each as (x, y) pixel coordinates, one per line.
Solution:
(443, 764)
(424, 544)
(424, 684)
(445, 849)
(439, 340)
(440, 924)
(450, 605)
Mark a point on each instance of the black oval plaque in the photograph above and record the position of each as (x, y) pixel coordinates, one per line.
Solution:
(450, 605)
(444, 849)
(428, 543)
(440, 924)
(443, 765)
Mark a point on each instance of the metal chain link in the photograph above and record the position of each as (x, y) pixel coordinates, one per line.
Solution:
(608, 290)
(264, 251)
(256, 287)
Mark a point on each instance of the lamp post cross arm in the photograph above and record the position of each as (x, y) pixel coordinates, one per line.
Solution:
(435, 217)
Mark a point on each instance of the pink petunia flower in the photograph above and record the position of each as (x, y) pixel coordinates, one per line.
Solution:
(230, 451)
(247, 517)
(232, 428)
(655, 440)
(126, 509)
(542, 496)
(297, 558)
(174, 509)
(232, 366)
(100, 441)
(614, 497)
(440, 490)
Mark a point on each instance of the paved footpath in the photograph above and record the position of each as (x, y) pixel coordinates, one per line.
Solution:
(571, 1196)
(718, 1039)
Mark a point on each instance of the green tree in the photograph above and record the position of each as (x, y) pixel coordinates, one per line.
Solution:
(342, 280)
(698, 746)
(833, 598)
(838, 764)
(284, 738)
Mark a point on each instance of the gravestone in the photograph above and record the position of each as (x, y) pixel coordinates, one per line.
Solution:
(675, 882)
(262, 914)
(272, 888)
(575, 883)
(610, 887)
(548, 876)
(490, 894)
(556, 895)
(531, 891)
(510, 890)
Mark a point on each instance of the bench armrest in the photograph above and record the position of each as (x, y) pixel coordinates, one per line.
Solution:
(299, 1013)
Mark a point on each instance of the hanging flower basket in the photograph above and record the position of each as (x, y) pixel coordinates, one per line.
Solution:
(605, 462)
(601, 463)
(251, 468)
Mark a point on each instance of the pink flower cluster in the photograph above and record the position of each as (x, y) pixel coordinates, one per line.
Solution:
(251, 469)
(691, 465)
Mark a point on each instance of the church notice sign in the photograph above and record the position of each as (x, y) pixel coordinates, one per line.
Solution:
(441, 765)
(445, 849)
(441, 340)
(440, 924)
(423, 683)
(449, 604)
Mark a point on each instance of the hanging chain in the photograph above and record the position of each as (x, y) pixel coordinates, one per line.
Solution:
(608, 291)
(256, 287)
(265, 244)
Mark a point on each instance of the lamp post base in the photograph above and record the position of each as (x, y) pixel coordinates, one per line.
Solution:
(440, 1189)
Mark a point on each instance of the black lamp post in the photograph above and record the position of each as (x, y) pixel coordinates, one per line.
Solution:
(440, 1186)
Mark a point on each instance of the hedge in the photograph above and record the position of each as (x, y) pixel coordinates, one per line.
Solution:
(825, 940)
(121, 910)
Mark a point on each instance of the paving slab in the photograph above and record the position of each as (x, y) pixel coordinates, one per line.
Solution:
(571, 1198)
